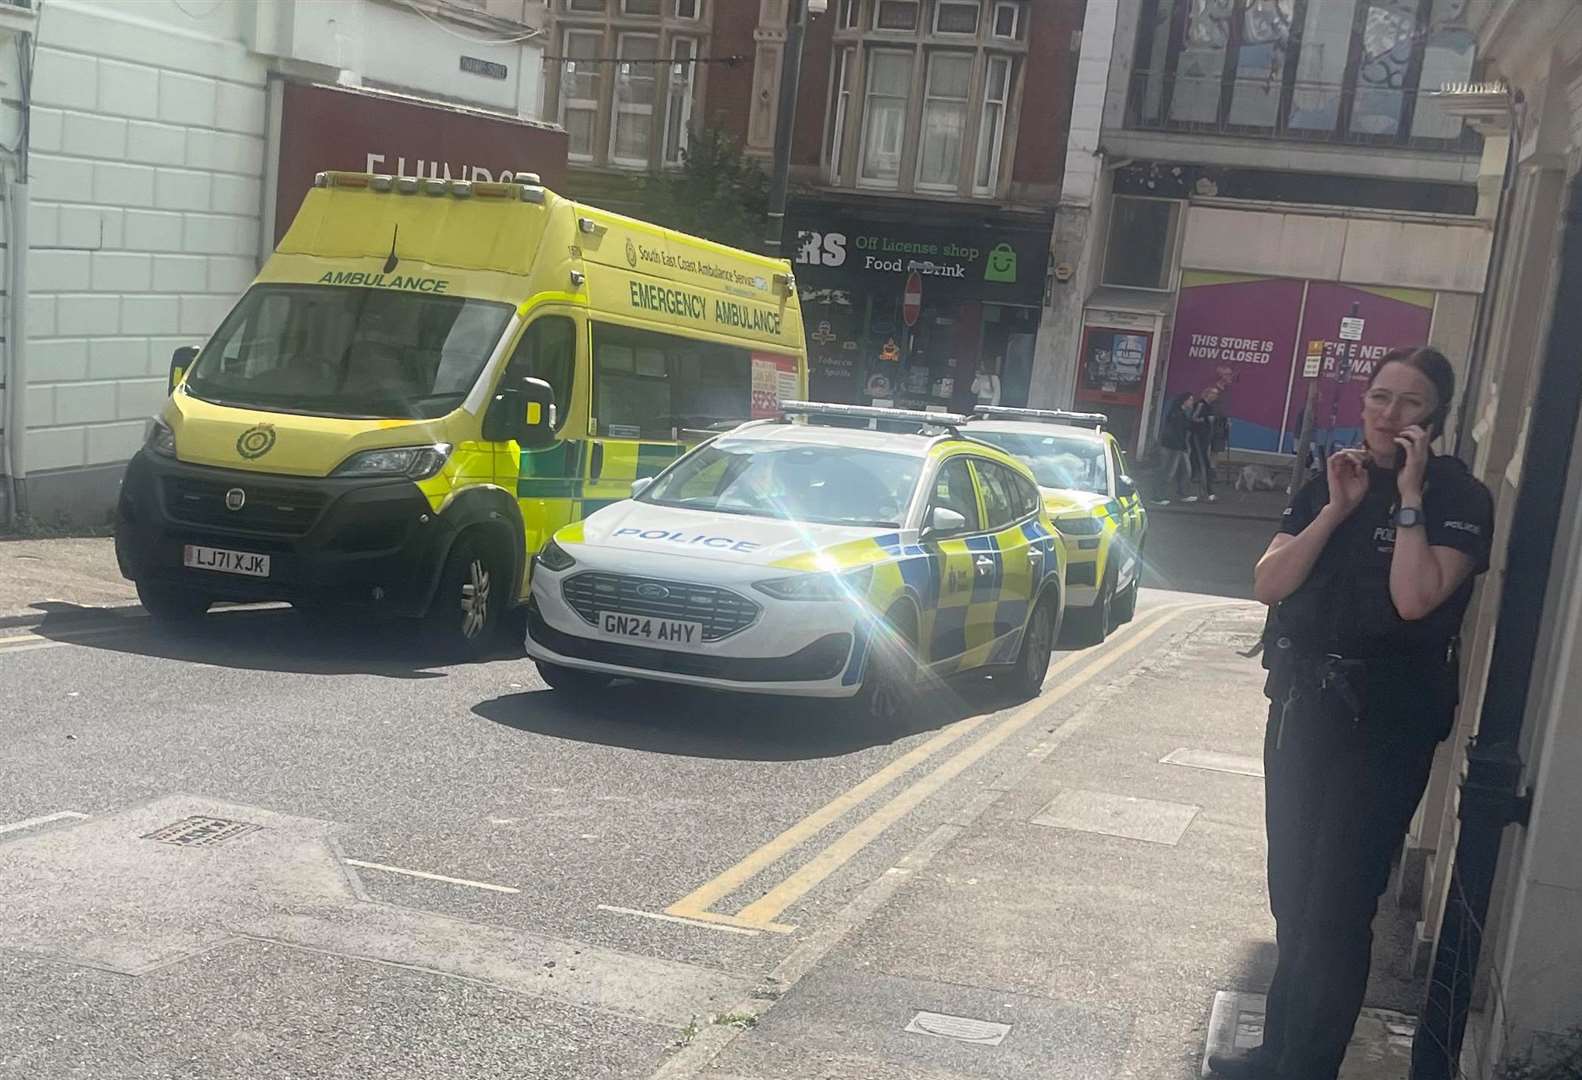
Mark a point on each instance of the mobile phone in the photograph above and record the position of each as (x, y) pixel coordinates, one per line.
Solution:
(1400, 458)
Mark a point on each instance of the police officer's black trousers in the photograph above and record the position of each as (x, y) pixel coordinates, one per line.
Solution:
(1340, 796)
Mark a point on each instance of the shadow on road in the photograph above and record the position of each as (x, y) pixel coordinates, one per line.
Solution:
(253, 639)
(662, 719)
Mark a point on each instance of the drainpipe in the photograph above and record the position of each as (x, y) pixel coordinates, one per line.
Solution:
(1491, 792)
(16, 349)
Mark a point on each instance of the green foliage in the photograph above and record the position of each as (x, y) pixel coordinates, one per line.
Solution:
(719, 193)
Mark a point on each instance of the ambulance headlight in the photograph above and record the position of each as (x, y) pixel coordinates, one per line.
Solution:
(1079, 526)
(848, 585)
(412, 462)
(161, 440)
(554, 557)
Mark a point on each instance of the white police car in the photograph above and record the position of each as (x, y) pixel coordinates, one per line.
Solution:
(793, 558)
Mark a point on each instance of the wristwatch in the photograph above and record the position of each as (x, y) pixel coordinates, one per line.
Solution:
(1406, 517)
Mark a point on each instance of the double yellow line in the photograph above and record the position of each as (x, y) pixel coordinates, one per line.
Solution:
(27, 640)
(762, 913)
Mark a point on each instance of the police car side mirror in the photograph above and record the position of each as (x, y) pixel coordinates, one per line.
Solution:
(180, 361)
(1125, 487)
(943, 521)
(641, 485)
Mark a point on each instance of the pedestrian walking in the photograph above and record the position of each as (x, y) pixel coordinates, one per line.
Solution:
(1201, 424)
(1368, 581)
(1173, 445)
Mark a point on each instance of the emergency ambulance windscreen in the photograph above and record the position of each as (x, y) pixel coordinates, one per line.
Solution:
(1058, 461)
(825, 485)
(343, 351)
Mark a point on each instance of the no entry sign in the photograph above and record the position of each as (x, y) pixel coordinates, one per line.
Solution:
(912, 302)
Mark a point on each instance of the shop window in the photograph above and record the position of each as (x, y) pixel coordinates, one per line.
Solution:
(548, 351)
(1142, 242)
(885, 109)
(945, 95)
(632, 116)
(957, 17)
(648, 385)
(678, 98)
(580, 80)
(840, 107)
(896, 14)
(991, 126)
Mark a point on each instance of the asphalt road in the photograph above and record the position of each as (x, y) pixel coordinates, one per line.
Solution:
(449, 871)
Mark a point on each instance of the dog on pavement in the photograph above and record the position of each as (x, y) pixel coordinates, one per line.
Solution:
(1256, 478)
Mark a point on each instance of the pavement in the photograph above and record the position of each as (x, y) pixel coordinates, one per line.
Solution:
(264, 850)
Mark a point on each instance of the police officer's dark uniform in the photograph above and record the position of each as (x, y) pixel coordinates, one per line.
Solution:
(1359, 700)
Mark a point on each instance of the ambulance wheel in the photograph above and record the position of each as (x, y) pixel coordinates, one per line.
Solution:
(1095, 623)
(890, 676)
(570, 680)
(1038, 644)
(465, 613)
(171, 603)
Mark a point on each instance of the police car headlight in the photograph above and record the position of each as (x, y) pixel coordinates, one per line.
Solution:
(554, 557)
(413, 462)
(161, 440)
(848, 585)
(1079, 526)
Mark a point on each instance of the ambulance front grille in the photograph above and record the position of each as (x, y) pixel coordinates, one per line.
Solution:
(720, 611)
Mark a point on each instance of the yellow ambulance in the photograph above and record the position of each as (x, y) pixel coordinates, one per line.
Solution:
(424, 382)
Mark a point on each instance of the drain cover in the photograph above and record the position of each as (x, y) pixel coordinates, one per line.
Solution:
(960, 1028)
(201, 831)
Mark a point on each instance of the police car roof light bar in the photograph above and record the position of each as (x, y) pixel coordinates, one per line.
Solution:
(1098, 421)
(948, 421)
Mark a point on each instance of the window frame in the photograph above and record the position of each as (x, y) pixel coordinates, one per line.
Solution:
(975, 522)
(841, 74)
(862, 179)
(850, 15)
(1018, 12)
(931, 57)
(686, 99)
(628, 13)
(977, 26)
(589, 105)
(570, 7)
(516, 361)
(616, 108)
(697, 10)
(878, 6)
(996, 140)
(1168, 250)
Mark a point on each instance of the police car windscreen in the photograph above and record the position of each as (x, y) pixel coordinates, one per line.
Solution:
(1057, 460)
(334, 350)
(826, 485)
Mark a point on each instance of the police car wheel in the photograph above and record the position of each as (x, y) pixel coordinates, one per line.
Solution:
(570, 680)
(889, 682)
(465, 611)
(171, 603)
(1097, 621)
(1038, 643)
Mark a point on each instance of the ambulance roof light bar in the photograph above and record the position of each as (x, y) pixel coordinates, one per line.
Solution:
(1097, 421)
(948, 421)
(527, 189)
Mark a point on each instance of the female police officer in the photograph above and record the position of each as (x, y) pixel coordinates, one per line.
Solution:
(1368, 578)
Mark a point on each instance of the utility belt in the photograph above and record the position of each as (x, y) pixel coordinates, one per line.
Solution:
(1418, 689)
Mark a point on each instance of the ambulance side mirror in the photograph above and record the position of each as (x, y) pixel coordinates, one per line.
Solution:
(943, 521)
(180, 361)
(524, 411)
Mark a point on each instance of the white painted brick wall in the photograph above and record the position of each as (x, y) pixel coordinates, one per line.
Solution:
(147, 171)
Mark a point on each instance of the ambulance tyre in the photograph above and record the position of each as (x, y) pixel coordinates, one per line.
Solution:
(1038, 644)
(464, 616)
(171, 603)
(890, 676)
(570, 680)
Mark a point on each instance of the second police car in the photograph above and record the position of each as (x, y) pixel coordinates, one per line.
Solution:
(789, 557)
(1094, 504)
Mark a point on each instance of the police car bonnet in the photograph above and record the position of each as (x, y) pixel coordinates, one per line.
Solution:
(659, 530)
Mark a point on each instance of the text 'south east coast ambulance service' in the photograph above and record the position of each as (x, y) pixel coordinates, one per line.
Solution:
(426, 380)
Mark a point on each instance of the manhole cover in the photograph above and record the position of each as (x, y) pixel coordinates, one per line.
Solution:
(960, 1028)
(201, 831)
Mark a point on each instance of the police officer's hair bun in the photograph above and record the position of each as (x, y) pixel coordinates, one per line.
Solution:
(1436, 369)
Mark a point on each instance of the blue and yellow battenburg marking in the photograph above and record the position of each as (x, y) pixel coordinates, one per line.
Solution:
(971, 614)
